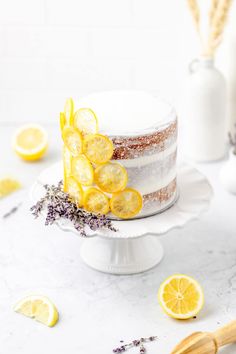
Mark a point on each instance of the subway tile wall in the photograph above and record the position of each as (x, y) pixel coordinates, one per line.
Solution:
(52, 49)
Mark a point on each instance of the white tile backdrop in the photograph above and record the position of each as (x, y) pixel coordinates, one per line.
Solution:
(52, 49)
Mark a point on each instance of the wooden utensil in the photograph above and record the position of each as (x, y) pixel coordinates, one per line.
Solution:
(207, 343)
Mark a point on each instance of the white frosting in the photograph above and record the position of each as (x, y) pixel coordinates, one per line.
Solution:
(153, 184)
(127, 112)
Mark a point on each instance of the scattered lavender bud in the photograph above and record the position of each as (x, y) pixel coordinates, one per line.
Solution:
(135, 343)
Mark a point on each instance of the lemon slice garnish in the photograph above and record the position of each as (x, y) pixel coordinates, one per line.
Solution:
(38, 307)
(67, 158)
(98, 148)
(181, 296)
(62, 120)
(111, 177)
(74, 189)
(82, 170)
(95, 201)
(69, 111)
(73, 140)
(126, 204)
(30, 142)
(86, 121)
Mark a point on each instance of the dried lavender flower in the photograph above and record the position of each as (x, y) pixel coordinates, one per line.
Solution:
(135, 343)
(58, 204)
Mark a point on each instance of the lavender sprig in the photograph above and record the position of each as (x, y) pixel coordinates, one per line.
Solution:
(58, 204)
(135, 343)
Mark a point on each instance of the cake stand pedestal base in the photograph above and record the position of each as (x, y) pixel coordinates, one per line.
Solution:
(122, 256)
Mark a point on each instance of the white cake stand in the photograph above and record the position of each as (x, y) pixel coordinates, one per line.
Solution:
(135, 247)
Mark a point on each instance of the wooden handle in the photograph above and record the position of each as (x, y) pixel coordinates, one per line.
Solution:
(226, 334)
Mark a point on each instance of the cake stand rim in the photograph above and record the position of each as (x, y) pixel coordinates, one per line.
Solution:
(107, 235)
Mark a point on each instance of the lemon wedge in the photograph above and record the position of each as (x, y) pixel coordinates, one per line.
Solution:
(69, 111)
(30, 142)
(38, 307)
(181, 296)
(86, 121)
(111, 177)
(74, 189)
(97, 148)
(126, 204)
(82, 170)
(72, 140)
(95, 201)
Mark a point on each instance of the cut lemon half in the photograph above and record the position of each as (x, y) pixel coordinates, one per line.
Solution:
(30, 142)
(38, 307)
(86, 121)
(69, 111)
(126, 204)
(98, 148)
(111, 177)
(95, 201)
(181, 296)
(73, 140)
(82, 170)
(74, 189)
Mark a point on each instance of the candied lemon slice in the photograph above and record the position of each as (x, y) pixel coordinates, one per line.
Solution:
(111, 177)
(73, 140)
(38, 307)
(86, 121)
(74, 189)
(98, 148)
(62, 120)
(67, 158)
(69, 111)
(82, 170)
(181, 296)
(126, 204)
(30, 142)
(95, 201)
(8, 186)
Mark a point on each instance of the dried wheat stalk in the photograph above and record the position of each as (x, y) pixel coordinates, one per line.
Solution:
(194, 9)
(218, 15)
(218, 24)
(213, 10)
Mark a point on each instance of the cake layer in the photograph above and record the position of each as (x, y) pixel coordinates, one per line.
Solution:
(143, 145)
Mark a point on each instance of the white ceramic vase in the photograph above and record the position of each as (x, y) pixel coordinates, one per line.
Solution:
(205, 124)
(231, 78)
(228, 173)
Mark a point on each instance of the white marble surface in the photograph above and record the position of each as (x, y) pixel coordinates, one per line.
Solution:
(97, 310)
